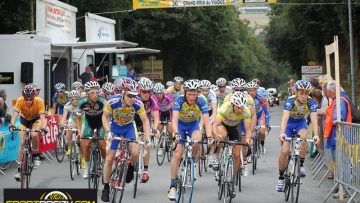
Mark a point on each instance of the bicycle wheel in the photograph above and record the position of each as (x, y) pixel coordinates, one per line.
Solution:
(220, 180)
(136, 178)
(60, 147)
(238, 177)
(23, 170)
(160, 149)
(228, 180)
(93, 170)
(123, 172)
(73, 160)
(168, 148)
(187, 182)
(28, 169)
(114, 185)
(295, 181)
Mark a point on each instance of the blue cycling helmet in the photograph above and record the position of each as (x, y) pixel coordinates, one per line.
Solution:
(303, 85)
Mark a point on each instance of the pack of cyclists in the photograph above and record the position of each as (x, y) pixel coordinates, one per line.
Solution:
(191, 107)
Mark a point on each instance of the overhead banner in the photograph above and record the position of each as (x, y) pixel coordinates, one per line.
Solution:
(99, 28)
(58, 17)
(147, 4)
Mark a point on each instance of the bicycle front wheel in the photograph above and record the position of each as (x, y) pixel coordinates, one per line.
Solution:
(187, 182)
(136, 179)
(73, 160)
(228, 180)
(93, 170)
(29, 169)
(160, 149)
(60, 147)
(295, 181)
(168, 148)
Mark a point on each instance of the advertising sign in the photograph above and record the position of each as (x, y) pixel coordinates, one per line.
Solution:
(99, 28)
(6, 77)
(146, 4)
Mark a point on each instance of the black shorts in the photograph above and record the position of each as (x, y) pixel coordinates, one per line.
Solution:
(165, 116)
(233, 132)
(210, 112)
(138, 122)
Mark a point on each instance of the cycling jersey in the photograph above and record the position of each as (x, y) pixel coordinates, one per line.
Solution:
(29, 115)
(71, 112)
(189, 114)
(150, 106)
(250, 103)
(300, 111)
(60, 101)
(228, 117)
(175, 93)
(221, 96)
(211, 99)
(164, 104)
(122, 115)
(260, 102)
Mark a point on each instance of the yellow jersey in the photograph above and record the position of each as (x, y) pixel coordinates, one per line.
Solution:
(227, 115)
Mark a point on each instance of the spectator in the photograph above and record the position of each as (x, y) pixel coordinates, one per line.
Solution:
(37, 90)
(291, 89)
(4, 110)
(87, 75)
(331, 116)
(131, 72)
(93, 70)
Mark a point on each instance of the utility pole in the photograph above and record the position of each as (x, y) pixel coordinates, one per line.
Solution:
(32, 15)
(351, 46)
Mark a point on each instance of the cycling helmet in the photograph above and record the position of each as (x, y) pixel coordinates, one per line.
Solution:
(178, 79)
(28, 92)
(91, 85)
(145, 84)
(169, 83)
(303, 85)
(76, 85)
(221, 82)
(251, 85)
(108, 87)
(214, 87)
(118, 84)
(238, 82)
(239, 99)
(205, 84)
(130, 86)
(74, 94)
(191, 85)
(257, 81)
(60, 86)
(159, 88)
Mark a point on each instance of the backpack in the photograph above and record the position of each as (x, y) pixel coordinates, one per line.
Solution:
(355, 113)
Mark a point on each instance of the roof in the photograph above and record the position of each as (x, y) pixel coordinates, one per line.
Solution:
(128, 51)
(94, 45)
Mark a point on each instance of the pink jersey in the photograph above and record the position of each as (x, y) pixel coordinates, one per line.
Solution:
(164, 104)
(151, 105)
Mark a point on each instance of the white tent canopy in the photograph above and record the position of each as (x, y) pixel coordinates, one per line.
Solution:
(128, 51)
(95, 45)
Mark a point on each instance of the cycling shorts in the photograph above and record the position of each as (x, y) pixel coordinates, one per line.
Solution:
(187, 127)
(295, 124)
(261, 118)
(127, 131)
(24, 124)
(88, 130)
(233, 132)
(165, 116)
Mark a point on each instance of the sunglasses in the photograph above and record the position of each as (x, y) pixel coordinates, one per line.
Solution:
(74, 99)
(239, 90)
(131, 96)
(60, 91)
(221, 86)
(145, 91)
(32, 99)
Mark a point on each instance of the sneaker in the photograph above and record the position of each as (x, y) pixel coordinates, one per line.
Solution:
(130, 174)
(68, 152)
(233, 195)
(37, 162)
(249, 159)
(215, 165)
(105, 195)
(41, 156)
(246, 171)
(263, 150)
(337, 195)
(17, 177)
(217, 176)
(172, 194)
(210, 161)
(302, 171)
(85, 174)
(145, 177)
(280, 185)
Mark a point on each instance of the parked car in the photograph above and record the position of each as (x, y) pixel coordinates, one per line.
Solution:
(273, 95)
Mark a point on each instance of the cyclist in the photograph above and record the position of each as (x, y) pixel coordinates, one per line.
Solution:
(69, 117)
(165, 103)
(151, 109)
(296, 109)
(210, 96)
(187, 109)
(88, 118)
(262, 112)
(120, 110)
(227, 120)
(222, 91)
(78, 87)
(176, 89)
(59, 100)
(32, 115)
(169, 83)
(107, 90)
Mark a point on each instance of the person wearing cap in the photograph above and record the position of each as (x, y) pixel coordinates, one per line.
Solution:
(37, 90)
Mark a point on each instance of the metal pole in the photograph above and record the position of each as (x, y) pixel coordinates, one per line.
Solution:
(353, 93)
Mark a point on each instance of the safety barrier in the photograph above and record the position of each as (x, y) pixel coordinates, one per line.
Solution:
(347, 164)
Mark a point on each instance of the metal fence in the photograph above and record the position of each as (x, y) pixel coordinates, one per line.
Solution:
(347, 162)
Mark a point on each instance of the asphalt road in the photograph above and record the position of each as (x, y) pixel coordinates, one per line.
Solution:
(255, 188)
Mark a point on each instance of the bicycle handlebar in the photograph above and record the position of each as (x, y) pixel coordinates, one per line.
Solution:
(128, 140)
(231, 142)
(299, 139)
(27, 130)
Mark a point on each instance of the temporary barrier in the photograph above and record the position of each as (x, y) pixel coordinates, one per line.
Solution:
(9, 144)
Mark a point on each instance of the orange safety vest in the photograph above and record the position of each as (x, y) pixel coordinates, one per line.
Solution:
(329, 116)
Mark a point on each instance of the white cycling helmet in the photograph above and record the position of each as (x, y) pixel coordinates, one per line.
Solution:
(130, 86)
(145, 84)
(214, 87)
(60, 86)
(76, 85)
(169, 83)
(251, 85)
(239, 99)
(238, 82)
(191, 85)
(91, 85)
(159, 88)
(221, 82)
(74, 94)
(303, 85)
(205, 84)
(178, 79)
(108, 87)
